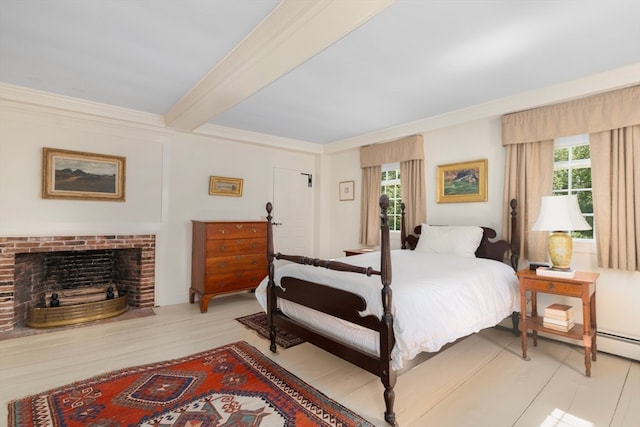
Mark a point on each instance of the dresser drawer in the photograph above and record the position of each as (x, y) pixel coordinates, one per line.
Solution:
(217, 248)
(239, 280)
(553, 286)
(229, 264)
(233, 230)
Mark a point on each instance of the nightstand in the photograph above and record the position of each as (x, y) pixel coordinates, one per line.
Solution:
(359, 251)
(582, 286)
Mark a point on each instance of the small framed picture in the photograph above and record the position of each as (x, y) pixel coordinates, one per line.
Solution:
(222, 186)
(346, 190)
(83, 176)
(462, 182)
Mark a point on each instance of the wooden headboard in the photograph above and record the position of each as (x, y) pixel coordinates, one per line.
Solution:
(487, 248)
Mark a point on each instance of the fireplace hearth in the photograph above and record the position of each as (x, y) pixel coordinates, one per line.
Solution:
(33, 268)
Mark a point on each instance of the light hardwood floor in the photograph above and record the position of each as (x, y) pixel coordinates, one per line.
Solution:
(481, 381)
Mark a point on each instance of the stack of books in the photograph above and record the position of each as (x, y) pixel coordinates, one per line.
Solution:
(550, 272)
(559, 317)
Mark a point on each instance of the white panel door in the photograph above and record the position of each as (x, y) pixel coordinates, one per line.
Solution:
(293, 210)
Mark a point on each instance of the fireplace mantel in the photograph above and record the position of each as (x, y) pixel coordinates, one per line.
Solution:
(141, 294)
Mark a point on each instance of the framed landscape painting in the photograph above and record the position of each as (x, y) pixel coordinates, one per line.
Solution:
(223, 186)
(462, 182)
(82, 176)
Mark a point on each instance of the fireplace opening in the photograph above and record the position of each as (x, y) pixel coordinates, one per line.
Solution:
(92, 277)
(68, 287)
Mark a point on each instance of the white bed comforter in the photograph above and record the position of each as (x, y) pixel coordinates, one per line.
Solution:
(436, 299)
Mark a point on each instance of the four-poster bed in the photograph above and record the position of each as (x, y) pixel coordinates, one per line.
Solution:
(439, 297)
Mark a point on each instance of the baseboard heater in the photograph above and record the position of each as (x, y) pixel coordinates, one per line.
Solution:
(619, 338)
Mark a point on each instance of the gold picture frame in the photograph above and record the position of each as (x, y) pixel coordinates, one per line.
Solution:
(346, 190)
(80, 175)
(223, 186)
(462, 182)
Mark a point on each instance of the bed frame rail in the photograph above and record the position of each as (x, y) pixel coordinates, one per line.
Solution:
(328, 264)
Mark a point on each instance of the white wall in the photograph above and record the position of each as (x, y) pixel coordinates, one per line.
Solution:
(192, 160)
(166, 184)
(479, 139)
(24, 212)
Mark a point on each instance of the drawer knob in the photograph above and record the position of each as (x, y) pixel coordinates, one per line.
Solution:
(254, 230)
(239, 226)
(550, 285)
(223, 247)
(222, 231)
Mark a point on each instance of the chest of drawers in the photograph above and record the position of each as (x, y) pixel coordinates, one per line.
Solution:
(227, 256)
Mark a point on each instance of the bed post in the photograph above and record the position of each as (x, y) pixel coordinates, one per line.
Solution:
(387, 339)
(515, 236)
(403, 230)
(515, 258)
(271, 292)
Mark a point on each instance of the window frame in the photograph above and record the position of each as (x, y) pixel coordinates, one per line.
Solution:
(570, 142)
(393, 202)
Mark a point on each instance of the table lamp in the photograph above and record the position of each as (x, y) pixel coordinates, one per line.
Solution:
(560, 214)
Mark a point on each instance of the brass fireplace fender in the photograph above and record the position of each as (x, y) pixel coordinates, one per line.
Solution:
(49, 317)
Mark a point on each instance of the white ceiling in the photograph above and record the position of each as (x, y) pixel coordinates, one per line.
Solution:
(318, 71)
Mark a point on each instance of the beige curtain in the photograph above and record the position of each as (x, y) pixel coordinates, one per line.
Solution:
(403, 150)
(598, 113)
(615, 173)
(528, 182)
(413, 189)
(370, 212)
(528, 177)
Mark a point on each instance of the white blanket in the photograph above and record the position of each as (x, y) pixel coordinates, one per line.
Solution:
(436, 299)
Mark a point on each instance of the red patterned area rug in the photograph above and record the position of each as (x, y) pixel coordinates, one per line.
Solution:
(258, 322)
(234, 385)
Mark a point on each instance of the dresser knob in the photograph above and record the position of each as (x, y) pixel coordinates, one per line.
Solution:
(239, 226)
(254, 230)
(222, 231)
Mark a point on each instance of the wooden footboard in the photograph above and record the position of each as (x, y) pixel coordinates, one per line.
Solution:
(338, 303)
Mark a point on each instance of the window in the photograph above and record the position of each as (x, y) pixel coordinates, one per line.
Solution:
(391, 187)
(572, 175)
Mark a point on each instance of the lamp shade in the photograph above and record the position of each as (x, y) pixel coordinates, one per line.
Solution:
(560, 213)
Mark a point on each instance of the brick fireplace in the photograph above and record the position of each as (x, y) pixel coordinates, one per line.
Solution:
(30, 266)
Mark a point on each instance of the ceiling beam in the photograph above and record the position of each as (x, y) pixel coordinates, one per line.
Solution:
(295, 31)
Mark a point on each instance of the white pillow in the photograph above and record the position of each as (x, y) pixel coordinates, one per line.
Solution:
(459, 240)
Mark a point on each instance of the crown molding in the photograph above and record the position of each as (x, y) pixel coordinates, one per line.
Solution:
(75, 107)
(255, 138)
(617, 78)
(31, 100)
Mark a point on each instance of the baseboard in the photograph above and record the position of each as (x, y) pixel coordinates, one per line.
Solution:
(620, 346)
(626, 347)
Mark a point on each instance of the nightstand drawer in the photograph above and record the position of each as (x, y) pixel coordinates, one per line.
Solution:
(552, 286)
